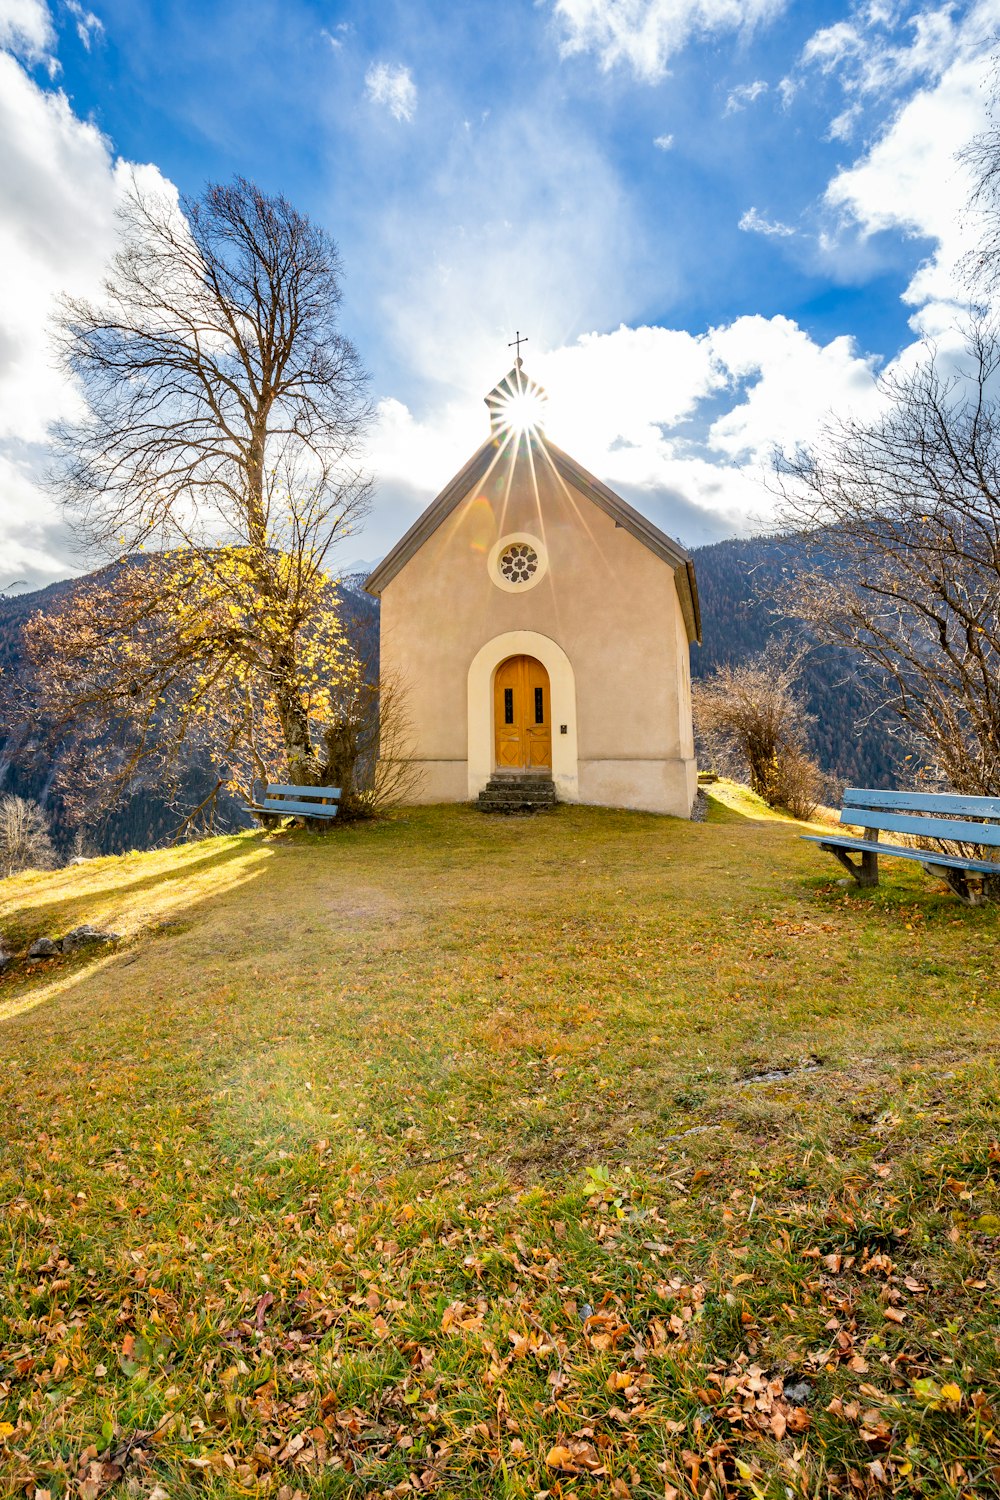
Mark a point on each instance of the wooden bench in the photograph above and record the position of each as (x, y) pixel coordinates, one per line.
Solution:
(273, 800)
(933, 815)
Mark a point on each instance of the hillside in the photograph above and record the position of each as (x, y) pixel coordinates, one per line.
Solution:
(589, 1154)
(737, 584)
(736, 581)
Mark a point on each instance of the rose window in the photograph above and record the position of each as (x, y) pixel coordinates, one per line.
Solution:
(519, 562)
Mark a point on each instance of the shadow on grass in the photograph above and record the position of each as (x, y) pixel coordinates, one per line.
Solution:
(63, 908)
(26, 985)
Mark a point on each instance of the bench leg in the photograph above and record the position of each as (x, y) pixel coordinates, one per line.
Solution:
(866, 873)
(958, 880)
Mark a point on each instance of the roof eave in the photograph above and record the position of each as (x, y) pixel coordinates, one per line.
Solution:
(430, 519)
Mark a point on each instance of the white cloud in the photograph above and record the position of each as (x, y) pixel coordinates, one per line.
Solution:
(58, 192)
(337, 35)
(644, 34)
(910, 180)
(795, 382)
(828, 48)
(753, 222)
(392, 85)
(26, 28)
(879, 52)
(88, 26)
(787, 89)
(744, 94)
(663, 142)
(842, 126)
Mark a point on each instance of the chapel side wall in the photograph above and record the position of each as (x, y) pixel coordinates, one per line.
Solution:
(607, 601)
(432, 700)
(636, 743)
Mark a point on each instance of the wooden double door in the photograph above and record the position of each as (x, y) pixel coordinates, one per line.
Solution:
(522, 715)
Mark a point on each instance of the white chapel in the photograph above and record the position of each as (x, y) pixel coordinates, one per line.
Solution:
(539, 628)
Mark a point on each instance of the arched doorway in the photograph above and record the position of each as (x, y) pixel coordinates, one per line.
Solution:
(522, 715)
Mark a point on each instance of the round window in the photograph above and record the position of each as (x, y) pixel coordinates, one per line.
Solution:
(518, 563)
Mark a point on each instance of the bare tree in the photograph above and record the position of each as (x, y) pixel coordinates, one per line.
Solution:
(982, 157)
(751, 721)
(225, 413)
(24, 837)
(901, 517)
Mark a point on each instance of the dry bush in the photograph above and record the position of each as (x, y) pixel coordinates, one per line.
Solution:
(24, 837)
(751, 724)
(367, 750)
(798, 783)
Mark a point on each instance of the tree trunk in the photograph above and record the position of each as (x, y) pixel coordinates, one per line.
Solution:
(341, 742)
(294, 720)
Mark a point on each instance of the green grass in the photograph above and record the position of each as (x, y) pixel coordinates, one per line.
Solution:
(427, 1157)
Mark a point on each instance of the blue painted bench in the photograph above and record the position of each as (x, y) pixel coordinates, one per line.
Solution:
(273, 800)
(926, 815)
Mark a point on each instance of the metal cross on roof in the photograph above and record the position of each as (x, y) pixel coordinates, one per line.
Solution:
(516, 343)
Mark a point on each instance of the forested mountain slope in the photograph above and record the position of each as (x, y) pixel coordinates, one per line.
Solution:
(737, 584)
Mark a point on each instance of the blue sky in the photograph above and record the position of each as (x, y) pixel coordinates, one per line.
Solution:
(715, 219)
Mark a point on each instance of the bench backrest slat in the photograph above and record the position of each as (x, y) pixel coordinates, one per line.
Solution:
(925, 827)
(287, 807)
(277, 788)
(940, 803)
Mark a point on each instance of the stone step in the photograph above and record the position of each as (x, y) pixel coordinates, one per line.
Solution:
(519, 786)
(522, 789)
(517, 793)
(519, 782)
(514, 807)
(487, 801)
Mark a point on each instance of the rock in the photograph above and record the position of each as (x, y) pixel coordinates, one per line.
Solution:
(82, 937)
(44, 948)
(5, 958)
(778, 1075)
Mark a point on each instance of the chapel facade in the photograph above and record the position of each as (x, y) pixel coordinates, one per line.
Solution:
(537, 626)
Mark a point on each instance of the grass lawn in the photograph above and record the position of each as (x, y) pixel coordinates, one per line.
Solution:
(585, 1154)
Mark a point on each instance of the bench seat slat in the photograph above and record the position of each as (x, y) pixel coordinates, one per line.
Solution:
(924, 856)
(924, 827)
(280, 789)
(928, 802)
(295, 809)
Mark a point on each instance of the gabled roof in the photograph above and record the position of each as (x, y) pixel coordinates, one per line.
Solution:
(573, 474)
